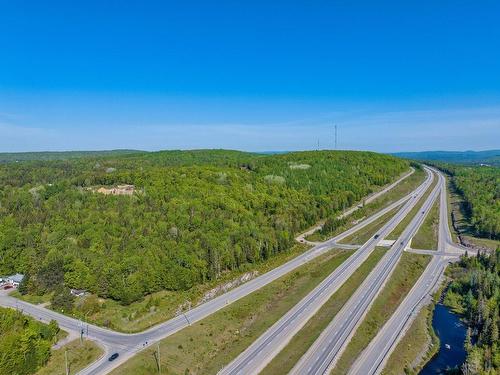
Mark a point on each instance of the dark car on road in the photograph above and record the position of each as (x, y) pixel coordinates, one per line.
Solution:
(113, 357)
(376, 236)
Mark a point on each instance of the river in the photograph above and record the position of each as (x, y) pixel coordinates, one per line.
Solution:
(450, 331)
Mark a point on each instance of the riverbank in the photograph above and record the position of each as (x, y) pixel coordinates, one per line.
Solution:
(419, 344)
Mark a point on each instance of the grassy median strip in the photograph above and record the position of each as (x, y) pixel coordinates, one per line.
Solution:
(427, 235)
(416, 209)
(364, 234)
(80, 355)
(407, 272)
(301, 342)
(400, 190)
(206, 346)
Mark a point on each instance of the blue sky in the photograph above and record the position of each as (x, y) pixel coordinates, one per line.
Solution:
(259, 75)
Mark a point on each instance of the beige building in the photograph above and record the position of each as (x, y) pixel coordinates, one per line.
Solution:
(119, 190)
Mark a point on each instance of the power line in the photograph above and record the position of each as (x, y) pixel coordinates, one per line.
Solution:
(335, 136)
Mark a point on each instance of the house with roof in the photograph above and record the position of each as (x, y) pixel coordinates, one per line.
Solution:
(13, 280)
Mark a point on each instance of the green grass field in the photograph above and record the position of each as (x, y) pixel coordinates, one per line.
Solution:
(427, 235)
(80, 355)
(301, 342)
(206, 346)
(408, 270)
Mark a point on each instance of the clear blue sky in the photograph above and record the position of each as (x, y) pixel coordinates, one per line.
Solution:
(264, 75)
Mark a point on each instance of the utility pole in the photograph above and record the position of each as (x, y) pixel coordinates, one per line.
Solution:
(335, 136)
(318, 144)
(66, 360)
(158, 355)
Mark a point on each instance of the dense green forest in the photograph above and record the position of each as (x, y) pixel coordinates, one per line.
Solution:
(14, 157)
(193, 216)
(480, 187)
(24, 343)
(475, 293)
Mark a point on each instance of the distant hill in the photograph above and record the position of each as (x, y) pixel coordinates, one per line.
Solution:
(9, 157)
(490, 157)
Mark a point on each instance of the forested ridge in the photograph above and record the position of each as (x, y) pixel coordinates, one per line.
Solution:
(194, 214)
(24, 343)
(480, 187)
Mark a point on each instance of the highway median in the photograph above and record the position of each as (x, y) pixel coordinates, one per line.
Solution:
(299, 344)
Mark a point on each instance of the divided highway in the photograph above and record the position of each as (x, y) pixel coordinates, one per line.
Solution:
(128, 345)
(323, 354)
(373, 359)
(268, 345)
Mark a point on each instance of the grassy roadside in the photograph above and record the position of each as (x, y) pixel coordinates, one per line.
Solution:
(403, 188)
(80, 355)
(301, 342)
(427, 235)
(364, 234)
(35, 300)
(451, 200)
(416, 209)
(408, 270)
(419, 344)
(206, 346)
